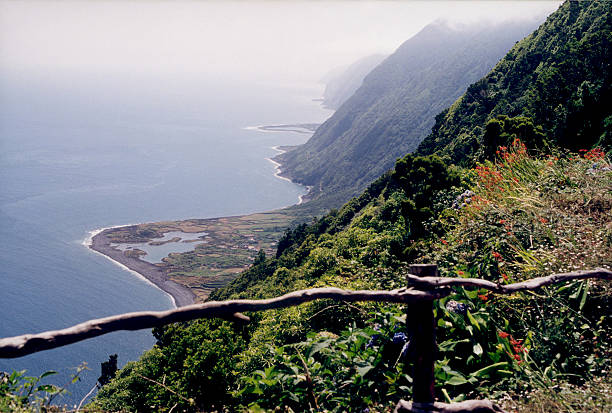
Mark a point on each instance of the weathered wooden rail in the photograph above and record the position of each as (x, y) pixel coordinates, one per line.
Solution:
(424, 286)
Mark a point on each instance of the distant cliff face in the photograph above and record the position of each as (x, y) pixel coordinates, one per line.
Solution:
(557, 79)
(341, 84)
(394, 108)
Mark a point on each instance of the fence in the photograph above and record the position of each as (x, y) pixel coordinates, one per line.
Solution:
(424, 286)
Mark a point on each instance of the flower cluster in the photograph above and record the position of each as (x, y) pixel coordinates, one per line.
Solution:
(595, 154)
(517, 346)
(462, 200)
(456, 307)
(517, 151)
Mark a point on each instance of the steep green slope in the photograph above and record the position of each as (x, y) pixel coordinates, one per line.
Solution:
(395, 107)
(558, 77)
(509, 219)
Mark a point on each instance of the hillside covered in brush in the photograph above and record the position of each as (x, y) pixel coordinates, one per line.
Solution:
(559, 78)
(394, 108)
(514, 216)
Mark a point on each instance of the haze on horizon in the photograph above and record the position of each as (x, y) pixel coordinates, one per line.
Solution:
(267, 41)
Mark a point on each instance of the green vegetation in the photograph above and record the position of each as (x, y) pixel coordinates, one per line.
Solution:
(514, 216)
(558, 77)
(505, 220)
(394, 109)
(228, 248)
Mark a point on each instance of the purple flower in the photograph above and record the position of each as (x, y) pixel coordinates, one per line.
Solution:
(456, 307)
(399, 338)
(372, 341)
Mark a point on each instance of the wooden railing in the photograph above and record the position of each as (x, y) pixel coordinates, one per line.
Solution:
(424, 286)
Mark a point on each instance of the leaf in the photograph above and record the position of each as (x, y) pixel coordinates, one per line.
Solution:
(363, 370)
(473, 320)
(477, 349)
(577, 293)
(456, 381)
(48, 373)
(585, 293)
(486, 371)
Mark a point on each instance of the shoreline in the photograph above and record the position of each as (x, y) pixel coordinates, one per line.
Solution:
(180, 295)
(98, 242)
(278, 174)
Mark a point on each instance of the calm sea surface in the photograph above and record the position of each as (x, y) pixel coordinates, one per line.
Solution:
(82, 153)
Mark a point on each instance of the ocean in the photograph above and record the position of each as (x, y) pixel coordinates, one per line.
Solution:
(83, 152)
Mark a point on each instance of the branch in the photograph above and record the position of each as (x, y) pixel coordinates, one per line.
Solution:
(31, 343)
(432, 283)
(468, 406)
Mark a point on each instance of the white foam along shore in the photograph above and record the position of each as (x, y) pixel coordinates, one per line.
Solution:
(88, 241)
(295, 128)
(277, 165)
(278, 171)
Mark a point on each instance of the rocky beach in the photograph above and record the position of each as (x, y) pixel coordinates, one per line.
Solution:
(180, 294)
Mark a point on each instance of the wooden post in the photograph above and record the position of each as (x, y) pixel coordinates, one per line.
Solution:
(422, 333)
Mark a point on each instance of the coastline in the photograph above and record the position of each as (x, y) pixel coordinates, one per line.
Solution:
(180, 295)
(98, 242)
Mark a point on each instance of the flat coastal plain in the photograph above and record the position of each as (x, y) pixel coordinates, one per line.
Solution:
(228, 248)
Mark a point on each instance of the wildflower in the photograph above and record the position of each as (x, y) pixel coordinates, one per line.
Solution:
(399, 338)
(372, 341)
(543, 220)
(496, 255)
(461, 273)
(503, 334)
(445, 242)
(456, 307)
(483, 297)
(502, 221)
(505, 276)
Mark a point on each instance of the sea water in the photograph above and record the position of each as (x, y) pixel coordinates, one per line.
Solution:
(86, 152)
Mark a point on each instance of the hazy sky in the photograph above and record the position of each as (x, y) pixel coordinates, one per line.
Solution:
(291, 40)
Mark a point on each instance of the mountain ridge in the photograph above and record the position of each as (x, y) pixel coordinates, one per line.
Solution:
(394, 108)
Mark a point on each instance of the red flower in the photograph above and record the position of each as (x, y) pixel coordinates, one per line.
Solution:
(543, 220)
(445, 242)
(483, 297)
(460, 272)
(503, 334)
